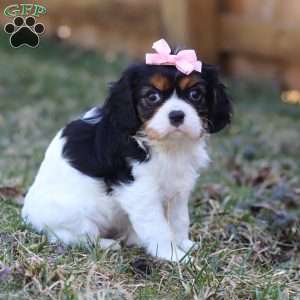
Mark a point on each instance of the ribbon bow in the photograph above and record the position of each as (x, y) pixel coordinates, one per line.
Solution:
(185, 60)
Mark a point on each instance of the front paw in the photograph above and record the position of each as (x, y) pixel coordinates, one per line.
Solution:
(168, 251)
(188, 246)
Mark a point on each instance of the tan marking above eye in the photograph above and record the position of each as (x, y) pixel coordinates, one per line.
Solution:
(188, 81)
(160, 82)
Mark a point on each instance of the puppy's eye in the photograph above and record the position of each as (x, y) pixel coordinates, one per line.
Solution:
(195, 95)
(153, 97)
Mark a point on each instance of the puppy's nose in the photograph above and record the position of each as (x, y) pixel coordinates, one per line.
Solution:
(176, 117)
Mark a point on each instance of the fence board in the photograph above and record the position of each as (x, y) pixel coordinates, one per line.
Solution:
(192, 23)
(268, 39)
(204, 28)
(174, 21)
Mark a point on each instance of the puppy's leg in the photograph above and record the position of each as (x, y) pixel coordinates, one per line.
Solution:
(180, 222)
(144, 207)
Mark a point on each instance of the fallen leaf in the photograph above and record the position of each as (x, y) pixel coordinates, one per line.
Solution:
(9, 192)
(142, 266)
(215, 191)
(262, 176)
(250, 152)
(286, 195)
(275, 217)
(4, 272)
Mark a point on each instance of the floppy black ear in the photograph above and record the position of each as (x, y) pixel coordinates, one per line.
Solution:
(120, 107)
(219, 104)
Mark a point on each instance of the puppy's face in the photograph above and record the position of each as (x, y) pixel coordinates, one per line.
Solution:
(170, 104)
(165, 103)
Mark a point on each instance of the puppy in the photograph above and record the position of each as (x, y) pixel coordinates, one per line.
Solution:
(125, 171)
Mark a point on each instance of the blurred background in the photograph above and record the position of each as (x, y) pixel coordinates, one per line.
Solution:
(249, 38)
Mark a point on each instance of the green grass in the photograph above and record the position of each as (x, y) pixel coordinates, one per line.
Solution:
(245, 210)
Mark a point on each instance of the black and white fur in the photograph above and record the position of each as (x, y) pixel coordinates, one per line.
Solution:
(125, 171)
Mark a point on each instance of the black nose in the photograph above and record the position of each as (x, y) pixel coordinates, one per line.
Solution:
(176, 117)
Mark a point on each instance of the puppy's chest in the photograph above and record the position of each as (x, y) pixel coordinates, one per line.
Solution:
(172, 174)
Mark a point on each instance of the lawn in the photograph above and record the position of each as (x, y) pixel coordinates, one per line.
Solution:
(245, 210)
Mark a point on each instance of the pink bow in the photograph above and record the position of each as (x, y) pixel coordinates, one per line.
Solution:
(185, 60)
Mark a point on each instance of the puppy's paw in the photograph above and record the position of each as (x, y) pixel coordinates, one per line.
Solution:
(169, 252)
(188, 245)
(109, 244)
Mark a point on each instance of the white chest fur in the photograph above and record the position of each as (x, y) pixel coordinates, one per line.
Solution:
(173, 168)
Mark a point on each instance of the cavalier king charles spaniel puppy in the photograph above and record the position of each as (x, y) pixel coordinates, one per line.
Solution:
(125, 171)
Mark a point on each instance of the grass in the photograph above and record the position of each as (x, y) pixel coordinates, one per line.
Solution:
(245, 210)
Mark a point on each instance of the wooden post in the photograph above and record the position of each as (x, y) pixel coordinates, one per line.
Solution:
(174, 21)
(204, 27)
(194, 24)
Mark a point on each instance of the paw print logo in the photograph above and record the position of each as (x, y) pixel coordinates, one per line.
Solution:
(24, 32)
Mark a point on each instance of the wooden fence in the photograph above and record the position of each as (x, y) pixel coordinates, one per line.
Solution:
(255, 38)
(252, 38)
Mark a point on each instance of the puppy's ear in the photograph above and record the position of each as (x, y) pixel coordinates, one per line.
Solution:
(219, 104)
(120, 107)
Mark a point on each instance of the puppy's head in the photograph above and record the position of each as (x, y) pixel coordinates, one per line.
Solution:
(165, 103)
